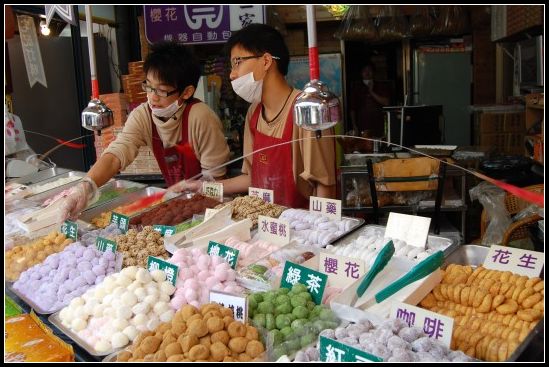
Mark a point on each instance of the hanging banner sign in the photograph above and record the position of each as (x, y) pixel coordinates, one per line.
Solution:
(31, 51)
(198, 24)
(64, 11)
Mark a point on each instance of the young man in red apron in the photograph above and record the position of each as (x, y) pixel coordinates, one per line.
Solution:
(294, 171)
(184, 134)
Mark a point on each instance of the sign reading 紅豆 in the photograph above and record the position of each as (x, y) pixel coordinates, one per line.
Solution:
(276, 231)
(314, 280)
(435, 325)
(341, 270)
(516, 260)
(171, 270)
(198, 24)
(334, 351)
(330, 208)
(264, 194)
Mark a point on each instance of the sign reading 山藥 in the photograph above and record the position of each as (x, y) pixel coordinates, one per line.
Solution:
(198, 24)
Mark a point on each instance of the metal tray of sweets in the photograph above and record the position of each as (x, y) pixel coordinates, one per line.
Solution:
(434, 243)
(39, 176)
(116, 185)
(28, 301)
(43, 195)
(56, 321)
(474, 256)
(130, 198)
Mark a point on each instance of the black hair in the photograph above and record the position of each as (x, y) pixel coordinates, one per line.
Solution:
(368, 64)
(261, 38)
(173, 64)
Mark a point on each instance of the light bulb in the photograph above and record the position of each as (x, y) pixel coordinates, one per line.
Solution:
(44, 29)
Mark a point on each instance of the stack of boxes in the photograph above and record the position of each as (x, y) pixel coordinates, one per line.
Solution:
(132, 84)
(502, 131)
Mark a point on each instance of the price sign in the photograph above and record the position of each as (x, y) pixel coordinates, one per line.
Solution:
(70, 230)
(121, 221)
(228, 253)
(314, 280)
(171, 270)
(104, 244)
(516, 260)
(273, 230)
(213, 190)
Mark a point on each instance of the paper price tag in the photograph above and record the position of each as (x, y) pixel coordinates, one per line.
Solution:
(314, 281)
(330, 208)
(239, 304)
(409, 228)
(264, 194)
(516, 260)
(229, 254)
(171, 270)
(341, 270)
(435, 325)
(70, 230)
(213, 190)
(273, 230)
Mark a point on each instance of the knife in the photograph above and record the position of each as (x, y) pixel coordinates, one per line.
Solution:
(381, 261)
(418, 272)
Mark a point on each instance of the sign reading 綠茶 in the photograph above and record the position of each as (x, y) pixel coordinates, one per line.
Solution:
(516, 260)
(435, 325)
(314, 280)
(330, 208)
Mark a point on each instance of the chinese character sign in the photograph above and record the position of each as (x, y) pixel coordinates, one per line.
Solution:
(435, 325)
(213, 190)
(273, 230)
(334, 351)
(165, 231)
(238, 304)
(264, 194)
(121, 221)
(341, 270)
(229, 254)
(70, 230)
(105, 245)
(171, 270)
(329, 208)
(314, 280)
(196, 24)
(31, 51)
(516, 260)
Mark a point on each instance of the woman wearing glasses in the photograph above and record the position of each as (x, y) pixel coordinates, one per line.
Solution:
(184, 134)
(259, 63)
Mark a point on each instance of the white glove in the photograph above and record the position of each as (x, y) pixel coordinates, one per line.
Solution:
(79, 198)
(191, 185)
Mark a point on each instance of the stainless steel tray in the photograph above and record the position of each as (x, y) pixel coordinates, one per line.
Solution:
(28, 301)
(113, 185)
(183, 195)
(474, 256)
(42, 196)
(39, 176)
(56, 321)
(359, 222)
(89, 214)
(434, 243)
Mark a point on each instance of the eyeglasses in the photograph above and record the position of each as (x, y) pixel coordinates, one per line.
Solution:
(160, 93)
(237, 60)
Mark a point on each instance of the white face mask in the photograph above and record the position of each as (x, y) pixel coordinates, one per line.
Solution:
(248, 88)
(366, 81)
(165, 112)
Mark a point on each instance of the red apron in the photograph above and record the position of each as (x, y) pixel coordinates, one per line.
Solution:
(272, 168)
(176, 163)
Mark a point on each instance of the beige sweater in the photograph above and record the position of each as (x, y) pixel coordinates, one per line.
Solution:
(313, 160)
(205, 135)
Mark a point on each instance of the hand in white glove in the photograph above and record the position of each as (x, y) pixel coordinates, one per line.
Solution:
(186, 185)
(80, 196)
(191, 185)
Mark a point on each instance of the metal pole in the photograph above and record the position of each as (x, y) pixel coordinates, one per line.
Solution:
(91, 49)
